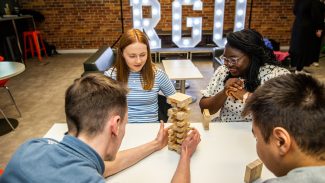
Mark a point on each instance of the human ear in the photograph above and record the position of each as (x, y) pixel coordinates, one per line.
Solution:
(115, 125)
(282, 140)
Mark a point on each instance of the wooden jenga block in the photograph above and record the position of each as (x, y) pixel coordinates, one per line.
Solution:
(179, 140)
(253, 171)
(175, 147)
(171, 145)
(206, 119)
(179, 129)
(181, 105)
(171, 139)
(173, 104)
(180, 99)
(181, 135)
(170, 112)
(181, 115)
(169, 101)
(186, 110)
(182, 124)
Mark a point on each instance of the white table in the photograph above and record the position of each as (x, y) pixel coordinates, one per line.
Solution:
(10, 69)
(182, 70)
(222, 155)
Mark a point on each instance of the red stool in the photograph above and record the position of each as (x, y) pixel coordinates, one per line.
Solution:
(34, 39)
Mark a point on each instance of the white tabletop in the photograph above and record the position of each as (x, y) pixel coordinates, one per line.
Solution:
(10, 69)
(181, 69)
(222, 155)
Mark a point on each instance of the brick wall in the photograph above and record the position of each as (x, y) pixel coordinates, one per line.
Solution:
(71, 24)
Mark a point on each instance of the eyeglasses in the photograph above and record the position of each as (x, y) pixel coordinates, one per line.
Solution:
(231, 60)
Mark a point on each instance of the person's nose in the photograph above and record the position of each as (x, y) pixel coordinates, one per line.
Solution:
(138, 60)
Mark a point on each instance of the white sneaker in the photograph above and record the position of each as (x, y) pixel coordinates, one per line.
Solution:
(316, 64)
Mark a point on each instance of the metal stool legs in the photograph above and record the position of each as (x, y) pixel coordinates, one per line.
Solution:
(13, 100)
(36, 44)
(3, 114)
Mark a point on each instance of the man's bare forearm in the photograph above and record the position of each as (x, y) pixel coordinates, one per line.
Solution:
(129, 157)
(183, 173)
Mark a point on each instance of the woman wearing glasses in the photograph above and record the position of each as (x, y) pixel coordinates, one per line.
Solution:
(247, 64)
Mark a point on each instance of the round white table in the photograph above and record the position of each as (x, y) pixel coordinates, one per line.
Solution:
(8, 70)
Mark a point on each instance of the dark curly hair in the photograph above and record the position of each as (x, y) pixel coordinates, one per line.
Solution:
(251, 43)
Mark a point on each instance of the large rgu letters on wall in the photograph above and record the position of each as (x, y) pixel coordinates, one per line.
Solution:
(219, 12)
(148, 24)
(194, 22)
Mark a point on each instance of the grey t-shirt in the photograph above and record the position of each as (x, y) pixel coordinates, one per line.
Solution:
(314, 174)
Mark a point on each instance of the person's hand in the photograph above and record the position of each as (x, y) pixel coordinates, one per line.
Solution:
(190, 143)
(234, 84)
(239, 94)
(319, 33)
(234, 87)
(162, 136)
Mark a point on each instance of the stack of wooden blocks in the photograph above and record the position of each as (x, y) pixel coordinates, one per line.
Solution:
(179, 116)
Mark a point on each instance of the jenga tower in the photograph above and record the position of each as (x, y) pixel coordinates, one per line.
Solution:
(178, 115)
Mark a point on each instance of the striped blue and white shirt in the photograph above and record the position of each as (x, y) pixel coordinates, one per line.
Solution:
(143, 104)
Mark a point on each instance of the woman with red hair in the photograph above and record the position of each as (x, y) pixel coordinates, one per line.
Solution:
(133, 67)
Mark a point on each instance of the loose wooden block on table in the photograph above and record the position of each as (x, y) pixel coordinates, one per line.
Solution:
(253, 171)
(206, 119)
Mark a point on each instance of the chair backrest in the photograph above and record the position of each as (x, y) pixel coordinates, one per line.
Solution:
(217, 52)
(100, 61)
(105, 60)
